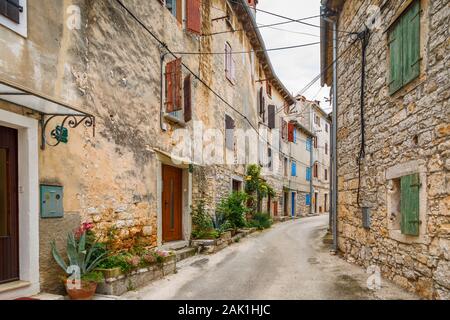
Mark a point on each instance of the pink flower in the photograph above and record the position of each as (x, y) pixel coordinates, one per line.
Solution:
(134, 261)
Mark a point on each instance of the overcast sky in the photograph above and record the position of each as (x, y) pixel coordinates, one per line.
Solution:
(295, 67)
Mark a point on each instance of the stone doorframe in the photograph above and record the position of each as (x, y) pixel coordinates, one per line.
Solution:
(28, 164)
(164, 158)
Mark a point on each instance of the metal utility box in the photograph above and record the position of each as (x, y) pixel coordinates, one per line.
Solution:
(52, 202)
(366, 217)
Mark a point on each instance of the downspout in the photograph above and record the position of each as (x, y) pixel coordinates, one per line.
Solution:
(161, 107)
(334, 191)
(311, 161)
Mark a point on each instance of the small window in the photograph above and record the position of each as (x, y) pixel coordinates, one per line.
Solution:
(236, 185)
(270, 159)
(326, 148)
(229, 132)
(308, 174)
(404, 48)
(175, 8)
(284, 130)
(295, 135)
(326, 128)
(316, 142)
(294, 169)
(13, 15)
(230, 17)
(262, 105)
(316, 170)
(308, 199)
(286, 166)
(405, 204)
(326, 174)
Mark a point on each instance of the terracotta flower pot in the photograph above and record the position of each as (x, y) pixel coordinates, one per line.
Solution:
(85, 292)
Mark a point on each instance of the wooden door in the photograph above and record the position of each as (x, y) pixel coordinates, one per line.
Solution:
(275, 208)
(9, 212)
(171, 204)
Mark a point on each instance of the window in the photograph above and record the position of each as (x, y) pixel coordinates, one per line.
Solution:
(326, 148)
(326, 127)
(187, 88)
(262, 105)
(317, 120)
(326, 174)
(272, 113)
(230, 67)
(404, 204)
(294, 169)
(286, 166)
(316, 142)
(316, 170)
(284, 130)
(236, 185)
(308, 199)
(295, 136)
(309, 144)
(269, 89)
(13, 15)
(229, 132)
(308, 174)
(270, 159)
(175, 8)
(404, 47)
(229, 19)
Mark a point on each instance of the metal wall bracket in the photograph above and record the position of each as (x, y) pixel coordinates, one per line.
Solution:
(67, 121)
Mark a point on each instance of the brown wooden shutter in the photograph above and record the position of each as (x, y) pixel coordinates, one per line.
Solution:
(291, 132)
(187, 99)
(262, 105)
(173, 85)
(170, 67)
(193, 23)
(11, 9)
(271, 116)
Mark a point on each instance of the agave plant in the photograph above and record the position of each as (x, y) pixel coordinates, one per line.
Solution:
(86, 259)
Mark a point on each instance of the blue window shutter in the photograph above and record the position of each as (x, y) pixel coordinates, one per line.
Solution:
(295, 135)
(308, 174)
(308, 199)
(308, 144)
(294, 169)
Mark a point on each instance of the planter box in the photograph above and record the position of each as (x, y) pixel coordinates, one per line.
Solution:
(110, 273)
(119, 285)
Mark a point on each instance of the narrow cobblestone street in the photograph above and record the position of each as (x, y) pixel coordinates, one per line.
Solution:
(289, 261)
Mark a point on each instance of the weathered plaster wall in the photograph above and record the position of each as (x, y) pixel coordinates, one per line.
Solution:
(412, 125)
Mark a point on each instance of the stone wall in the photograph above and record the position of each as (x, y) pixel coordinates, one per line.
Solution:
(409, 128)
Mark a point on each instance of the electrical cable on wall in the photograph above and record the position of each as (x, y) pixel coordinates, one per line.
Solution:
(364, 37)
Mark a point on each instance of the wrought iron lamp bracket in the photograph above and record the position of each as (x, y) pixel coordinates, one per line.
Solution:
(68, 121)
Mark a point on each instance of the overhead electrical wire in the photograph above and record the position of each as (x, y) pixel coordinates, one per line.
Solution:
(164, 45)
(242, 52)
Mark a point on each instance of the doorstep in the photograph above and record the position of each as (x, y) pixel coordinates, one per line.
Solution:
(15, 285)
(174, 245)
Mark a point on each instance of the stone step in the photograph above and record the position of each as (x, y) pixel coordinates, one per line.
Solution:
(185, 253)
(47, 296)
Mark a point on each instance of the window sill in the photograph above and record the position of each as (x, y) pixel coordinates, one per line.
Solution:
(174, 120)
(407, 88)
(397, 235)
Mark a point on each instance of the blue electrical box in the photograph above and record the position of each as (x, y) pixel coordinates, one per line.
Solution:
(51, 202)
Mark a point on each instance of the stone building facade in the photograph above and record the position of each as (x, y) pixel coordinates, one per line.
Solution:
(129, 70)
(404, 186)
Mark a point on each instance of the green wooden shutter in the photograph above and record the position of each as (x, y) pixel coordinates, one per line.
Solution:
(411, 43)
(409, 204)
(396, 57)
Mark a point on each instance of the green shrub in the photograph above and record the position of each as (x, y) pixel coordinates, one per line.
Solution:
(261, 221)
(94, 276)
(202, 223)
(120, 260)
(234, 209)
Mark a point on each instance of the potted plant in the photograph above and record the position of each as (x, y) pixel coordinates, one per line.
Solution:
(83, 258)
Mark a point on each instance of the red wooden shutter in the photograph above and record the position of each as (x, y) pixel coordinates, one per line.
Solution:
(170, 67)
(291, 132)
(187, 99)
(193, 23)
